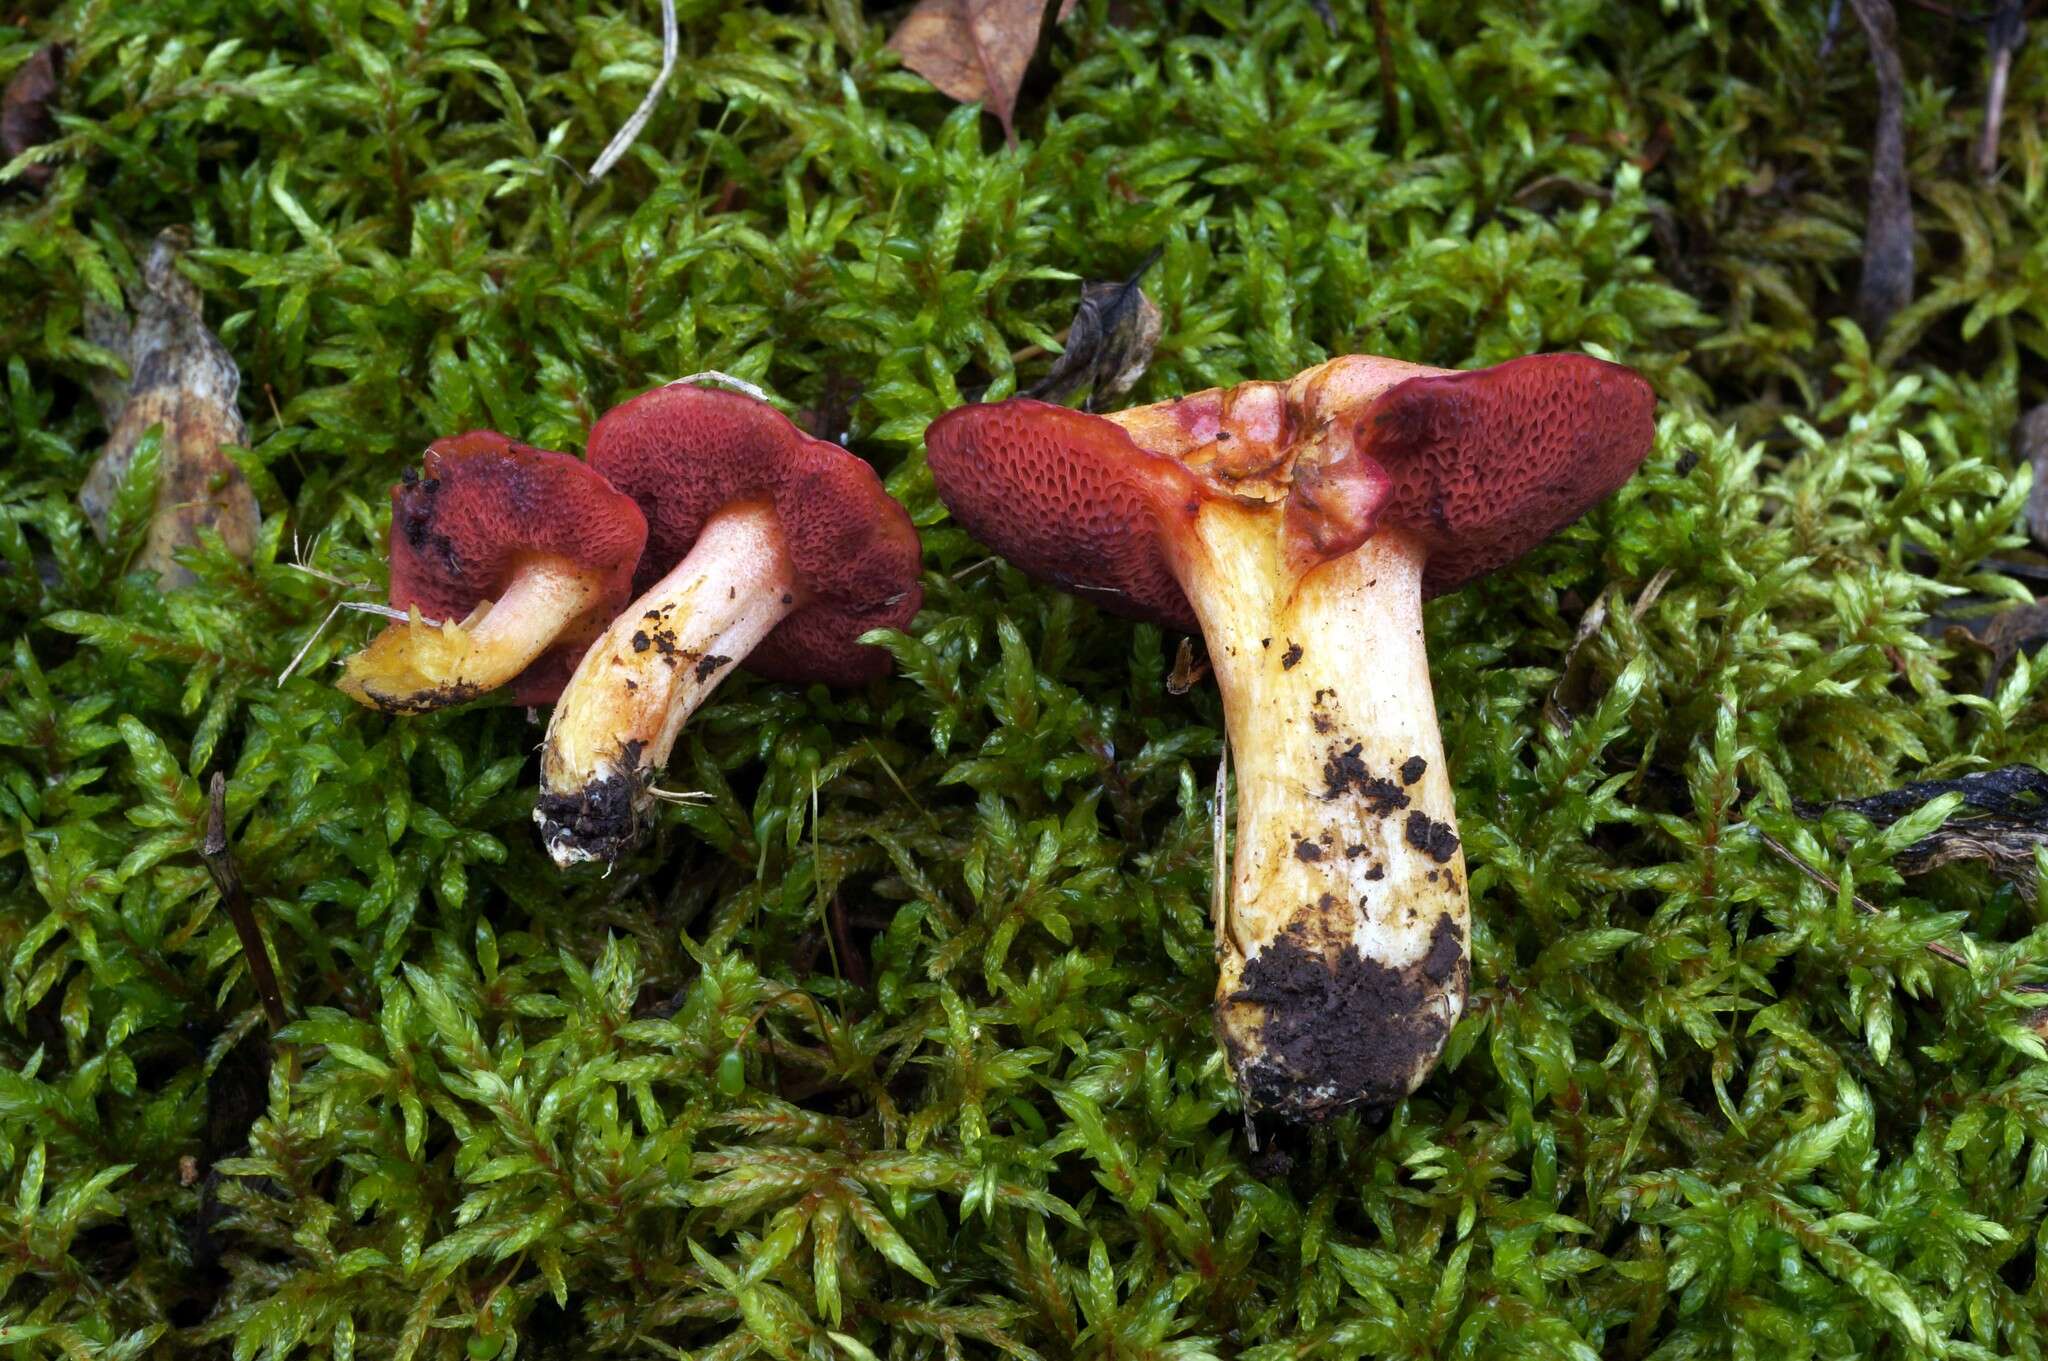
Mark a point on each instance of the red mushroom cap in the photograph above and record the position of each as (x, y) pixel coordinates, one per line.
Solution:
(1484, 465)
(1481, 466)
(1067, 497)
(685, 452)
(481, 507)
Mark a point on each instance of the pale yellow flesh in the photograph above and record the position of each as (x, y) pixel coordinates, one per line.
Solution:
(416, 666)
(623, 710)
(1360, 678)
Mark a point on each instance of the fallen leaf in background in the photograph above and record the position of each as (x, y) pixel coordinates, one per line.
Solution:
(2003, 635)
(2008, 819)
(2030, 446)
(183, 379)
(1115, 330)
(1887, 283)
(976, 51)
(27, 113)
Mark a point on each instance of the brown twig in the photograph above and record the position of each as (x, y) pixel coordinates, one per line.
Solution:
(1887, 283)
(220, 863)
(1933, 947)
(1390, 99)
(2008, 30)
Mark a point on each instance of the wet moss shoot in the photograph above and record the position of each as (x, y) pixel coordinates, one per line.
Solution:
(893, 1037)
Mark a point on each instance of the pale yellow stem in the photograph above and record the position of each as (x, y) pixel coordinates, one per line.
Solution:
(1343, 952)
(623, 710)
(416, 666)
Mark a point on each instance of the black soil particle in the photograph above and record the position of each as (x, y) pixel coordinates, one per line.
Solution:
(1376, 872)
(1344, 1030)
(1446, 949)
(1434, 839)
(1353, 851)
(428, 700)
(601, 818)
(641, 642)
(1412, 768)
(1290, 656)
(709, 663)
(1345, 771)
(1307, 850)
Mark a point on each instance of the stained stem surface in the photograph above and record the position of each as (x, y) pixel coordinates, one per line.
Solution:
(623, 710)
(1343, 945)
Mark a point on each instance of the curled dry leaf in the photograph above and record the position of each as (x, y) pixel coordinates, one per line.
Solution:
(182, 379)
(2003, 635)
(977, 51)
(1109, 346)
(27, 111)
(1887, 283)
(2003, 821)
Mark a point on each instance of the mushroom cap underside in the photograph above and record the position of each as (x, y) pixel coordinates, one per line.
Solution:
(1480, 466)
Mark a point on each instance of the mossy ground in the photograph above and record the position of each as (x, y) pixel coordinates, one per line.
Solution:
(1700, 1106)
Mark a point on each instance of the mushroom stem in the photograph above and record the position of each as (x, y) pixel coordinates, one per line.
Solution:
(619, 718)
(1342, 951)
(415, 666)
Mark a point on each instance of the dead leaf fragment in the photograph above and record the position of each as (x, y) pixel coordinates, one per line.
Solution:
(2030, 446)
(1116, 328)
(183, 379)
(2007, 819)
(1188, 669)
(1887, 283)
(976, 51)
(28, 111)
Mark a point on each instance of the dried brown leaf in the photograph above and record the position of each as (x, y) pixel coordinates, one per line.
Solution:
(2006, 822)
(1116, 328)
(183, 379)
(976, 51)
(28, 111)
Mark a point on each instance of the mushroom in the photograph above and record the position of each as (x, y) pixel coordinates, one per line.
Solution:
(506, 560)
(1299, 526)
(765, 547)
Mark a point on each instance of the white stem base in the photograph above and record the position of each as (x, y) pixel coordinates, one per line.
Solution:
(623, 710)
(1343, 949)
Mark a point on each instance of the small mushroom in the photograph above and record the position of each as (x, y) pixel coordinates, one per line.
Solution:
(1299, 526)
(508, 560)
(765, 547)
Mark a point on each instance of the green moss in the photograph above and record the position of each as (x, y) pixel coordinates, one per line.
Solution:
(1700, 1107)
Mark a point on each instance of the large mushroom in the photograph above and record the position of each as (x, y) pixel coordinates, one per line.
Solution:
(765, 547)
(1299, 526)
(506, 561)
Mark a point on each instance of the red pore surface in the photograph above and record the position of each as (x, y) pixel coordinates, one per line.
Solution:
(685, 453)
(1068, 498)
(1485, 465)
(480, 508)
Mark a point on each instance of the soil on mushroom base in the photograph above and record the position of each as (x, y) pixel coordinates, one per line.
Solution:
(1341, 1028)
(602, 816)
